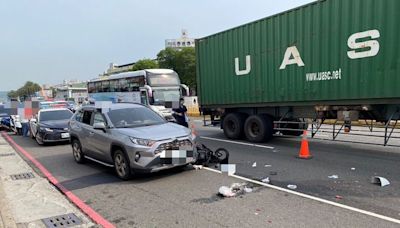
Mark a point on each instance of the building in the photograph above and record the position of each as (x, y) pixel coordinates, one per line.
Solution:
(71, 90)
(46, 92)
(183, 41)
(114, 69)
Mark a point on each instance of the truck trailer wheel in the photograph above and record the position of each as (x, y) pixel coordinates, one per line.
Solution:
(233, 125)
(258, 128)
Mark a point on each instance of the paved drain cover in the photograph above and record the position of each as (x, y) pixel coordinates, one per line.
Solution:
(5, 155)
(67, 220)
(22, 176)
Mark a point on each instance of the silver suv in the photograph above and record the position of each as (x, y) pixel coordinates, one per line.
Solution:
(131, 138)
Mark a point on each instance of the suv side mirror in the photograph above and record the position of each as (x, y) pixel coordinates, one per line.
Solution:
(99, 126)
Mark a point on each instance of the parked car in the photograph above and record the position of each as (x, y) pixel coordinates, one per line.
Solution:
(51, 125)
(15, 124)
(5, 120)
(131, 138)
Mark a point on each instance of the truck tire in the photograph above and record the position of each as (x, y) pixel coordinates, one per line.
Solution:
(233, 125)
(258, 128)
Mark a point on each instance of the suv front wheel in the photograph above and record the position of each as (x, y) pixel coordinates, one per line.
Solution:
(121, 165)
(77, 151)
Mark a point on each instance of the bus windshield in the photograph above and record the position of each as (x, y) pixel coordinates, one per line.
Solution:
(163, 79)
(163, 95)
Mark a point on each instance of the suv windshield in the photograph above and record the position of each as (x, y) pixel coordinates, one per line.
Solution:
(55, 115)
(134, 117)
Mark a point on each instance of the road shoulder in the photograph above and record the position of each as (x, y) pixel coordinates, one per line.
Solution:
(27, 199)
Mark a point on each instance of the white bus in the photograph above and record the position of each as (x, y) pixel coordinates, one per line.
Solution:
(158, 88)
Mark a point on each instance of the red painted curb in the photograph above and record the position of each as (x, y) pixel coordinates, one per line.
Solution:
(71, 196)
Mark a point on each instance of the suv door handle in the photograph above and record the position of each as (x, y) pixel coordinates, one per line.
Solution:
(91, 133)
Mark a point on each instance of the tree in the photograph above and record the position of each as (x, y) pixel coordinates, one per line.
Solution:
(145, 64)
(167, 58)
(12, 94)
(183, 61)
(28, 90)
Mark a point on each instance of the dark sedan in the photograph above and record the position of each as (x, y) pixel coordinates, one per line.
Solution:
(51, 125)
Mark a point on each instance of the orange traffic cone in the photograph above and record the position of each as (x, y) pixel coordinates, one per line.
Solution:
(304, 152)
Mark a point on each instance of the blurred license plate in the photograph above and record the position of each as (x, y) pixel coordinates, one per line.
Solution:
(64, 135)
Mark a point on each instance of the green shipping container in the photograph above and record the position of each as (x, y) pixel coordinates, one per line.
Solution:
(326, 52)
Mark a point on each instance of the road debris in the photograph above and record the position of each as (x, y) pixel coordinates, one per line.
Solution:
(254, 164)
(235, 190)
(380, 181)
(265, 180)
(273, 173)
(333, 177)
(197, 167)
(338, 197)
(353, 168)
(226, 191)
(267, 165)
(292, 186)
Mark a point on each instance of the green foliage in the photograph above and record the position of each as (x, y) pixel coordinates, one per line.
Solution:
(167, 58)
(183, 61)
(145, 64)
(12, 94)
(29, 89)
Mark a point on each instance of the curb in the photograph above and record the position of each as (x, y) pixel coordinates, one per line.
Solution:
(25, 202)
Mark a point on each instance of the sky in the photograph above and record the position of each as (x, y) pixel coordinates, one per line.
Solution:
(47, 41)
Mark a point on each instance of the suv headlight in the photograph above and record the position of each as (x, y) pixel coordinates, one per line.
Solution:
(142, 142)
(48, 129)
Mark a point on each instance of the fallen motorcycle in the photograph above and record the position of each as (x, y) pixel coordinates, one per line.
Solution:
(205, 156)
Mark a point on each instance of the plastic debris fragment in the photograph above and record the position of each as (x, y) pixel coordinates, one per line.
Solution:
(380, 181)
(292, 186)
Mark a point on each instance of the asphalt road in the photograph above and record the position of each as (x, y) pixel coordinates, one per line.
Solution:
(182, 198)
(354, 164)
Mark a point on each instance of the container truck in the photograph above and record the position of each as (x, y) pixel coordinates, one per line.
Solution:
(330, 59)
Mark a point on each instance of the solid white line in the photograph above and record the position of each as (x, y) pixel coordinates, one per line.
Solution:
(240, 143)
(311, 197)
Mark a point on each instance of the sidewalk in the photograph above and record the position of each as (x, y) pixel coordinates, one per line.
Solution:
(28, 200)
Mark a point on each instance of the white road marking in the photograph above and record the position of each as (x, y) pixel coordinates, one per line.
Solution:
(240, 143)
(369, 213)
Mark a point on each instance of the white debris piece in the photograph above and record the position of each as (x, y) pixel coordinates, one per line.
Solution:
(234, 190)
(333, 177)
(197, 167)
(254, 164)
(380, 181)
(268, 165)
(292, 186)
(226, 191)
(265, 180)
(353, 168)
